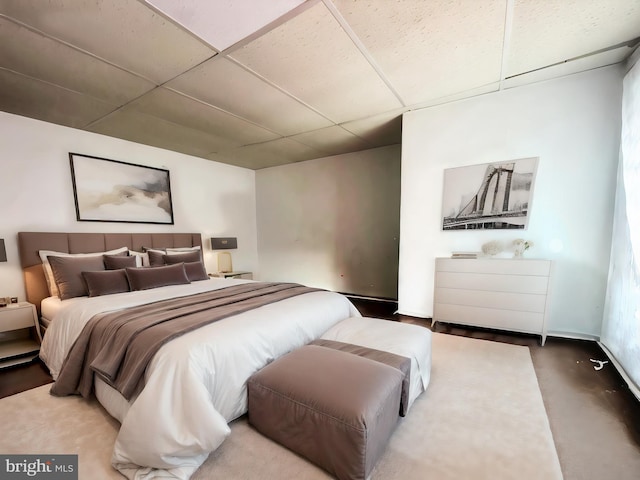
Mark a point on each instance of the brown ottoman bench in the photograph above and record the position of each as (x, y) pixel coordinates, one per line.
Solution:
(334, 408)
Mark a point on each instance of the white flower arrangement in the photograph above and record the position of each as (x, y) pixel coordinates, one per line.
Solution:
(520, 245)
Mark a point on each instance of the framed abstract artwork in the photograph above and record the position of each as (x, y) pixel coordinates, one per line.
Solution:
(112, 191)
(489, 196)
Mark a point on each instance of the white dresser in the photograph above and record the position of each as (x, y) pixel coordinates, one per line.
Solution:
(505, 294)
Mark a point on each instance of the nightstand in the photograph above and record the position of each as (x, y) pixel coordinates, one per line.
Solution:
(245, 275)
(16, 343)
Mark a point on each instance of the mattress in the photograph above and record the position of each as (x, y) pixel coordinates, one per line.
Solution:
(50, 307)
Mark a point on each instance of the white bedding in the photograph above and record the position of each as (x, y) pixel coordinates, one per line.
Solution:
(50, 306)
(195, 384)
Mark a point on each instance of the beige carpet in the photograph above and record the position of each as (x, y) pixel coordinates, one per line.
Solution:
(481, 418)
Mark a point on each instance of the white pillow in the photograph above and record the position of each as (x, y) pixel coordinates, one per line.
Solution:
(48, 273)
(142, 258)
(181, 249)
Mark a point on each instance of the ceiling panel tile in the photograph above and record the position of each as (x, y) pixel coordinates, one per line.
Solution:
(222, 83)
(379, 130)
(176, 108)
(39, 57)
(125, 32)
(490, 87)
(430, 49)
(221, 24)
(550, 31)
(36, 99)
(156, 132)
(610, 57)
(332, 140)
(311, 57)
(269, 154)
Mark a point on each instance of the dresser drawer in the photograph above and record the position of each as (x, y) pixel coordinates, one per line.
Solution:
(530, 284)
(527, 322)
(523, 302)
(497, 266)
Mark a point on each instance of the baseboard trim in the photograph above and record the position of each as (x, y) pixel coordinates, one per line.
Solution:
(632, 386)
(574, 336)
(409, 313)
(374, 299)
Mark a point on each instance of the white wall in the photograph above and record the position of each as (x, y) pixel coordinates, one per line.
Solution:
(332, 222)
(573, 125)
(36, 192)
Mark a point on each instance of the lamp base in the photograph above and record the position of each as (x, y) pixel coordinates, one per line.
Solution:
(225, 265)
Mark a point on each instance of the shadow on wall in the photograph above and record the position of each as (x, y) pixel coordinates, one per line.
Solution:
(368, 226)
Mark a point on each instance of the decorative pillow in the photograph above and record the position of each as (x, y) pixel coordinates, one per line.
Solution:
(193, 256)
(116, 262)
(155, 256)
(67, 272)
(45, 254)
(142, 258)
(146, 278)
(195, 271)
(106, 282)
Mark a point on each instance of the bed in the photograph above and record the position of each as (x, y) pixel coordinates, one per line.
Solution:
(195, 383)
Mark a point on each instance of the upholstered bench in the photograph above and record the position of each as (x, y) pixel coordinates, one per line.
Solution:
(396, 361)
(332, 407)
(411, 341)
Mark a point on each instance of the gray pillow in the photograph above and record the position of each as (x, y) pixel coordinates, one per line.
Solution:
(116, 262)
(144, 278)
(155, 256)
(185, 257)
(195, 271)
(67, 272)
(106, 282)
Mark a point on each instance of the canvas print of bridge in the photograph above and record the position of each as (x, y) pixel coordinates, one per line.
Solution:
(489, 196)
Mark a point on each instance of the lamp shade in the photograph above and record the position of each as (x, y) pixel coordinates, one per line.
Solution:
(3, 251)
(224, 243)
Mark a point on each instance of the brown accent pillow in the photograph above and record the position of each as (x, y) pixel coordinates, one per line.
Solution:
(195, 271)
(67, 272)
(155, 257)
(141, 278)
(117, 262)
(106, 282)
(185, 257)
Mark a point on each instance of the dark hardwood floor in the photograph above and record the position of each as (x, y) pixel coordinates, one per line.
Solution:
(19, 378)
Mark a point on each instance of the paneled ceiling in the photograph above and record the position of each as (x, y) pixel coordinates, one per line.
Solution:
(259, 83)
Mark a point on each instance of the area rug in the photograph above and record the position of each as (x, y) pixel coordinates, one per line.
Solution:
(481, 418)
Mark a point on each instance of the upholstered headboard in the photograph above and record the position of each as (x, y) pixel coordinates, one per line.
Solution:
(29, 243)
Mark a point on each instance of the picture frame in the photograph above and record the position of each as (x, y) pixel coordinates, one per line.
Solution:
(496, 195)
(107, 190)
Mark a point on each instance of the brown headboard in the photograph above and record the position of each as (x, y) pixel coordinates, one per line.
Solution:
(29, 243)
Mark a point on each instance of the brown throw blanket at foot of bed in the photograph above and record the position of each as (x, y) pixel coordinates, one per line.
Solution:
(119, 345)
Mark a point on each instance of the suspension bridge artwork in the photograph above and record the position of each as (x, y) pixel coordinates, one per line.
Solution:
(488, 196)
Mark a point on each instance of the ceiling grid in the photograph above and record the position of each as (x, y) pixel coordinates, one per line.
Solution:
(260, 84)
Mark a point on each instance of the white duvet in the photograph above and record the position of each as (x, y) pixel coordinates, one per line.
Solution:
(195, 383)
